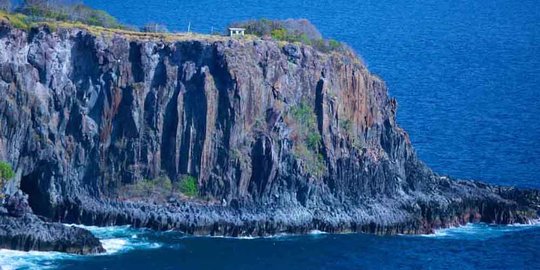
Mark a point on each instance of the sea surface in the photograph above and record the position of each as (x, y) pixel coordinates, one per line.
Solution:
(466, 74)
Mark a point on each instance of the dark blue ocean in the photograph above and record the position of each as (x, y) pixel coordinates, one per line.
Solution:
(466, 74)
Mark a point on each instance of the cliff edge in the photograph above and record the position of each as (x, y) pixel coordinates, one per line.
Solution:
(281, 138)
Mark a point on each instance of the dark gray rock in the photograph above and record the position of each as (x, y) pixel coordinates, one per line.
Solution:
(82, 115)
(30, 233)
(17, 204)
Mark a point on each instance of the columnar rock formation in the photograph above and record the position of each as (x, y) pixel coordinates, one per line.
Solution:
(284, 138)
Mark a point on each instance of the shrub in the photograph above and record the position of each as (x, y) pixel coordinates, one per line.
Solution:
(87, 15)
(303, 113)
(326, 45)
(64, 11)
(164, 183)
(313, 161)
(161, 185)
(313, 141)
(6, 173)
(188, 186)
(16, 20)
(279, 34)
(290, 30)
(307, 147)
(262, 27)
(44, 9)
(334, 44)
(143, 187)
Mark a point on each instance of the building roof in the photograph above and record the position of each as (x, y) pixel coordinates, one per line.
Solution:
(236, 28)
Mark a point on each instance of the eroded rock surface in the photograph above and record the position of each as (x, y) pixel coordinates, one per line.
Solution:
(20, 229)
(82, 115)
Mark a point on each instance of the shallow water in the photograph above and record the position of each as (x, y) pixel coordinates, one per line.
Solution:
(466, 74)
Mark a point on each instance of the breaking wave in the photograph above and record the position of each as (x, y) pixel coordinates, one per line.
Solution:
(115, 240)
(481, 231)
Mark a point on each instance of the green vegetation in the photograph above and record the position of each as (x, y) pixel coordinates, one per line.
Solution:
(301, 31)
(188, 186)
(6, 173)
(308, 143)
(46, 10)
(93, 21)
(31, 13)
(72, 13)
(160, 188)
(17, 20)
(307, 125)
(147, 187)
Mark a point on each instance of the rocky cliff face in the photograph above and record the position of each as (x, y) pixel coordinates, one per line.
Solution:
(282, 138)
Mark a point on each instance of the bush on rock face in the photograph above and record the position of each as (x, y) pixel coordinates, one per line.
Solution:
(188, 186)
(308, 139)
(6, 173)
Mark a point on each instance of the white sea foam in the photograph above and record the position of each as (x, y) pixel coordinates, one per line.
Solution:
(113, 245)
(114, 240)
(12, 259)
(479, 231)
(317, 232)
(532, 223)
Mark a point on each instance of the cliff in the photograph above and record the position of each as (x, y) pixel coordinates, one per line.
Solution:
(280, 137)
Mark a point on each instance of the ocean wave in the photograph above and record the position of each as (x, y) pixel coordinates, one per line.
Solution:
(316, 232)
(480, 231)
(115, 240)
(21, 260)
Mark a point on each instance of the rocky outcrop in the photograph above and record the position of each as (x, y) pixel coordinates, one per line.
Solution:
(281, 137)
(30, 233)
(20, 229)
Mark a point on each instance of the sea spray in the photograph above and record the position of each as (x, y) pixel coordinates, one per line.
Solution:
(479, 231)
(115, 240)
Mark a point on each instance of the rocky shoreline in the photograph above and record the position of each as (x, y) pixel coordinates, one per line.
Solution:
(21, 230)
(25, 231)
(488, 204)
(280, 138)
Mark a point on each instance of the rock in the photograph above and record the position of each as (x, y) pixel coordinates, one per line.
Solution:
(172, 200)
(293, 51)
(17, 204)
(293, 138)
(29, 233)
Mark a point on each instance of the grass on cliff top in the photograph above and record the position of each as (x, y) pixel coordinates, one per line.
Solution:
(17, 20)
(281, 35)
(21, 21)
